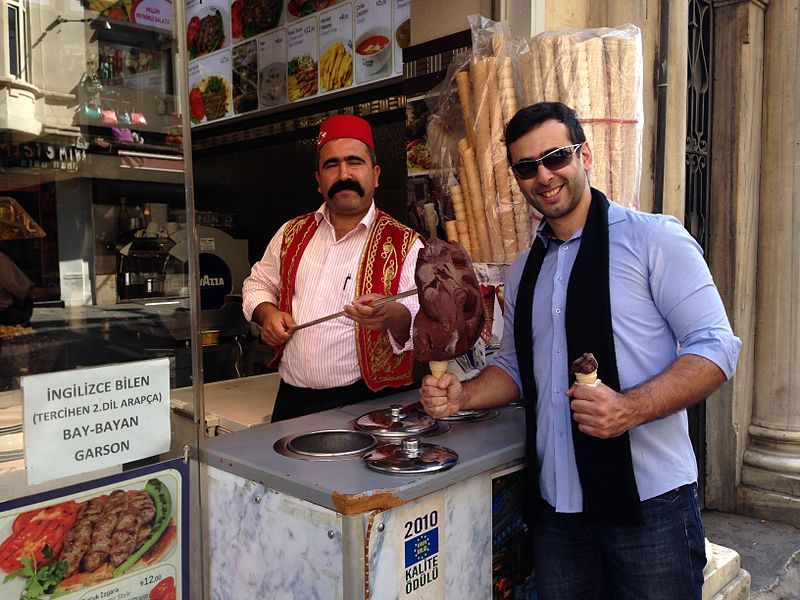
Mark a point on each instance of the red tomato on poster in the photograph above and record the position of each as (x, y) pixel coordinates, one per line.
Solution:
(165, 590)
(34, 530)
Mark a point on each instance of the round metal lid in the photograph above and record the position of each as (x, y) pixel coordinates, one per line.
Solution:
(470, 415)
(462, 415)
(410, 456)
(396, 422)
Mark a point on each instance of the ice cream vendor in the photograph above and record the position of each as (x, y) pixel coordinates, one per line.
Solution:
(340, 257)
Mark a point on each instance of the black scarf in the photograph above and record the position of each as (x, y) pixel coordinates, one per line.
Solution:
(605, 467)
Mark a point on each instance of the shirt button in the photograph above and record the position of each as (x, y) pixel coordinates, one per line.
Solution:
(558, 350)
(560, 277)
(565, 248)
(558, 311)
(558, 390)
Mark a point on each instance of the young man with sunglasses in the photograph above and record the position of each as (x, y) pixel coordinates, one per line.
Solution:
(613, 493)
(343, 256)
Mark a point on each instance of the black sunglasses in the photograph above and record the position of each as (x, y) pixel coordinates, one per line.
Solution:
(555, 159)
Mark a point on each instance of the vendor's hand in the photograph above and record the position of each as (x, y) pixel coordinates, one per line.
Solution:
(371, 317)
(277, 328)
(600, 411)
(441, 396)
(392, 316)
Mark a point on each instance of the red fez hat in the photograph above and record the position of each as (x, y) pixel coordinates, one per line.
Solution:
(345, 126)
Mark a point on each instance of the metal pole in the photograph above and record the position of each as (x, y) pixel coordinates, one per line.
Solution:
(353, 557)
(196, 473)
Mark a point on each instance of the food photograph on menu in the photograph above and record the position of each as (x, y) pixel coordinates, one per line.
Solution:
(97, 539)
(210, 90)
(336, 67)
(272, 68)
(297, 9)
(302, 72)
(373, 42)
(245, 77)
(336, 48)
(208, 28)
(302, 68)
(251, 17)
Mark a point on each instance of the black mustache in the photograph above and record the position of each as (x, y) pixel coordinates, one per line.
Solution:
(345, 184)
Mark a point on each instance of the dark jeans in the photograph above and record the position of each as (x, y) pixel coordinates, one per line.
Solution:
(661, 560)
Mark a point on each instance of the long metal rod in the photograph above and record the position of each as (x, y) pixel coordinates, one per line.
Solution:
(373, 304)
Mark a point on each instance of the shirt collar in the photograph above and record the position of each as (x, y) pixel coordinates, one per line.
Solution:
(616, 214)
(365, 223)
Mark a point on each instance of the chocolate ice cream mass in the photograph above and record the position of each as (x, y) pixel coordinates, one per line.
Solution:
(450, 314)
(584, 364)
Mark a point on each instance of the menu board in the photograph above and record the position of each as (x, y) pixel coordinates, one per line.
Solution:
(251, 55)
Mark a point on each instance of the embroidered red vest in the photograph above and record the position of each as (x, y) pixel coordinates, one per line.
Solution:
(388, 243)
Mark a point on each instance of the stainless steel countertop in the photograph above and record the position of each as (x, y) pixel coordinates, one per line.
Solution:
(348, 486)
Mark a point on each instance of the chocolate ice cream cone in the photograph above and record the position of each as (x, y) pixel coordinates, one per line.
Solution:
(585, 369)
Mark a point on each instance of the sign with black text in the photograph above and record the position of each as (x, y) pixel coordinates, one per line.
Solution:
(421, 549)
(88, 419)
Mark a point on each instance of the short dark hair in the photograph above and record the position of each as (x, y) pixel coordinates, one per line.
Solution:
(534, 115)
(372, 156)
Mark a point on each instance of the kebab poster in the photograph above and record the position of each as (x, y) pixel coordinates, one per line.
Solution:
(121, 537)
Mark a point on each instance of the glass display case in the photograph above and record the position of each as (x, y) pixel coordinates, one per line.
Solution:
(98, 320)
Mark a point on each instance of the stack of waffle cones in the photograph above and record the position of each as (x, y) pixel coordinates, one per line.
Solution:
(598, 73)
(491, 216)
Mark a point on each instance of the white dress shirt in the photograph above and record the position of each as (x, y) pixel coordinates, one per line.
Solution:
(324, 355)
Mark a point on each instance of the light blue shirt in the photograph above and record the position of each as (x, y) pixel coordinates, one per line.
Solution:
(663, 304)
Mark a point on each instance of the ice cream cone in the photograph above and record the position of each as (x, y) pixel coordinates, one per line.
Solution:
(438, 367)
(586, 378)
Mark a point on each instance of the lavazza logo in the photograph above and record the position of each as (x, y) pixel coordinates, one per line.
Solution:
(208, 281)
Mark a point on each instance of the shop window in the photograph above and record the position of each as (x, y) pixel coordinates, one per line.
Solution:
(16, 38)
